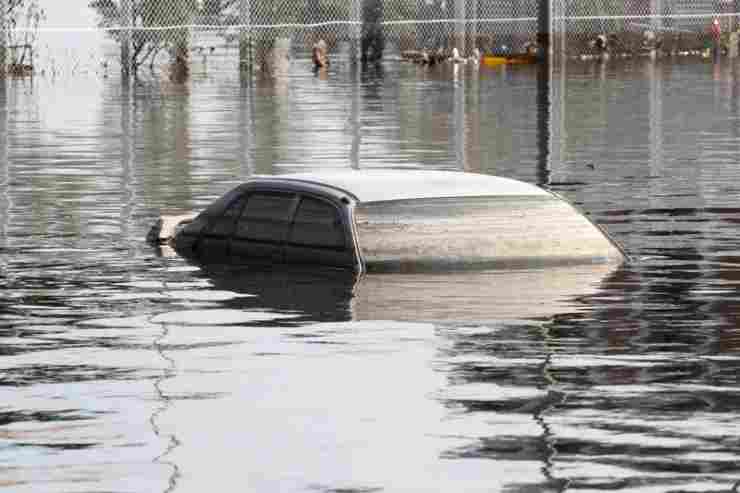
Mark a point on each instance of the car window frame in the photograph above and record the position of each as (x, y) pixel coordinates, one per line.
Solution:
(345, 226)
(342, 203)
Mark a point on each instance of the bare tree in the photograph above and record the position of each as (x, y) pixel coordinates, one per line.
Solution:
(147, 41)
(23, 19)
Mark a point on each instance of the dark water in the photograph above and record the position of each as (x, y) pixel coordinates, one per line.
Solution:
(127, 371)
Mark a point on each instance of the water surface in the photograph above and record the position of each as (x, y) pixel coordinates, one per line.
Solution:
(124, 370)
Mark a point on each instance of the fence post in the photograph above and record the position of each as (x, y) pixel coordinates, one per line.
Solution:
(245, 38)
(544, 82)
(460, 26)
(544, 28)
(656, 8)
(3, 36)
(655, 107)
(4, 161)
(559, 30)
(355, 31)
(128, 182)
(473, 26)
(458, 114)
(246, 130)
(126, 21)
(355, 110)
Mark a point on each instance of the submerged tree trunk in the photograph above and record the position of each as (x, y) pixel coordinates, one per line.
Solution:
(180, 67)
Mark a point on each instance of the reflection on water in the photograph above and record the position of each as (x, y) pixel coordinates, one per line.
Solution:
(449, 296)
(473, 296)
(126, 371)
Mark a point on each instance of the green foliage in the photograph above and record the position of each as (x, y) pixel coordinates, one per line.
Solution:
(147, 44)
(323, 10)
(399, 9)
(149, 13)
(167, 13)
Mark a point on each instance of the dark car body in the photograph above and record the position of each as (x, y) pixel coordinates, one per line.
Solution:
(397, 220)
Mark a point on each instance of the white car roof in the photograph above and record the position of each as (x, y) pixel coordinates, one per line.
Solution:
(387, 185)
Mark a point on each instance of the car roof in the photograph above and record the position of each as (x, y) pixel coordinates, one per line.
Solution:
(387, 185)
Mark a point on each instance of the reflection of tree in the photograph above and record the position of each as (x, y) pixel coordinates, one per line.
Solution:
(164, 128)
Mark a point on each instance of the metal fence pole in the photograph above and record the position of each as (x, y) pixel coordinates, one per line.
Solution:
(458, 123)
(544, 28)
(552, 164)
(355, 55)
(245, 39)
(656, 8)
(3, 35)
(544, 82)
(355, 120)
(473, 27)
(655, 135)
(246, 130)
(460, 25)
(126, 24)
(128, 176)
(5, 202)
(355, 31)
(560, 33)
(544, 121)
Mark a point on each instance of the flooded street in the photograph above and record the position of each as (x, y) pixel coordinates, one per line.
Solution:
(124, 370)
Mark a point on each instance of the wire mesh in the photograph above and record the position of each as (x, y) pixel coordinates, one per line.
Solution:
(265, 35)
(660, 27)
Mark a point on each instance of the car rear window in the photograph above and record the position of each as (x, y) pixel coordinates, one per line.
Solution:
(317, 224)
(266, 217)
(476, 230)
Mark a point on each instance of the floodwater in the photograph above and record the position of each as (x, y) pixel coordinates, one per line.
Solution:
(126, 371)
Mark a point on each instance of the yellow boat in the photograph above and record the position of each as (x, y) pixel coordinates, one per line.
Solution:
(519, 59)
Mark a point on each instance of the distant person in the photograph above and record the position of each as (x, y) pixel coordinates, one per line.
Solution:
(319, 55)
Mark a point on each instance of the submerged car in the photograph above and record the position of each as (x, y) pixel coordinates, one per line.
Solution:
(389, 220)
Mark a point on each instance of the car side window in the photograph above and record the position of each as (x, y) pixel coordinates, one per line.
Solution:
(266, 217)
(223, 225)
(317, 224)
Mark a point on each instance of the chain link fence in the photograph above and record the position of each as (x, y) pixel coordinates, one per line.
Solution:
(633, 27)
(264, 35)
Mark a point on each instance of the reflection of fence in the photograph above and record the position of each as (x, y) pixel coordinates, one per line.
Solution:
(152, 32)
